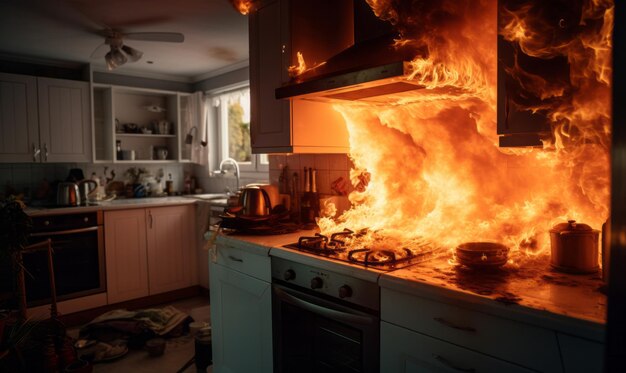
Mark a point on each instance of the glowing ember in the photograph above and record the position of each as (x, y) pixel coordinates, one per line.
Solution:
(243, 6)
(433, 170)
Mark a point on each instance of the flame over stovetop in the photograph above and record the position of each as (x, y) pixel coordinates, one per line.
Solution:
(435, 170)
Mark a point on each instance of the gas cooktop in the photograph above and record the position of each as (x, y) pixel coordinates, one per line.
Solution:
(383, 259)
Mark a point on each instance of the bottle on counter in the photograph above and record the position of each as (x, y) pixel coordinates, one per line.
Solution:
(118, 149)
(310, 201)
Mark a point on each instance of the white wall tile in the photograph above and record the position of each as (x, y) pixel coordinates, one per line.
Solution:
(338, 162)
(322, 161)
(307, 160)
(323, 181)
(293, 161)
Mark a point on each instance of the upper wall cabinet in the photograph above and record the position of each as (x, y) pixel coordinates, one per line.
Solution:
(149, 125)
(280, 126)
(44, 120)
(524, 107)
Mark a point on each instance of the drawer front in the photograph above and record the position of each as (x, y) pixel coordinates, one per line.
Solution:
(405, 351)
(513, 341)
(581, 355)
(258, 266)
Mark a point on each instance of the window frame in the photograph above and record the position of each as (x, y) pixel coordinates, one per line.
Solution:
(220, 114)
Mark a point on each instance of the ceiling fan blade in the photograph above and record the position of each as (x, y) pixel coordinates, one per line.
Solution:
(100, 51)
(170, 37)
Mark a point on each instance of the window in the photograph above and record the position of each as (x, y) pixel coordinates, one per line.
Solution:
(233, 118)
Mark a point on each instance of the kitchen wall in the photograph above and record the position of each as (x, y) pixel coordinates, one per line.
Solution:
(333, 174)
(27, 178)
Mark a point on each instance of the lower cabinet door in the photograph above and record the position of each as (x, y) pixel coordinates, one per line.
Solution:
(403, 350)
(241, 319)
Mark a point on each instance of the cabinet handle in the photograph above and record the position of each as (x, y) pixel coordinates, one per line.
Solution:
(36, 152)
(235, 259)
(150, 218)
(450, 365)
(454, 326)
(45, 152)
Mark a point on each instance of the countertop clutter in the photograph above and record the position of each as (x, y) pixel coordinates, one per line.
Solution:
(530, 292)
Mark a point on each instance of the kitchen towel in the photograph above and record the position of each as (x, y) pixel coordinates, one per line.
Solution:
(198, 110)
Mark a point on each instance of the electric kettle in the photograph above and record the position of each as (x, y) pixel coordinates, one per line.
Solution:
(255, 202)
(68, 194)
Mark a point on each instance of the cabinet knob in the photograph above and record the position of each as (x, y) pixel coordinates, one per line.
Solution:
(316, 283)
(46, 223)
(289, 275)
(86, 219)
(345, 291)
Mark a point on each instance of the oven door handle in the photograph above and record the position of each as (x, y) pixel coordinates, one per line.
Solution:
(321, 310)
(61, 233)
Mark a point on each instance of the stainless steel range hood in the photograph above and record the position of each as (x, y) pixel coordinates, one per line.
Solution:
(371, 71)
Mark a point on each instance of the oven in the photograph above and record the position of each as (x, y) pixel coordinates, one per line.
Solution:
(323, 321)
(78, 257)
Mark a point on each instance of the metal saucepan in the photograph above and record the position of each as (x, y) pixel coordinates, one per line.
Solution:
(574, 248)
(482, 254)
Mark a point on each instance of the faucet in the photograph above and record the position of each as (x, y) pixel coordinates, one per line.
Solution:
(221, 171)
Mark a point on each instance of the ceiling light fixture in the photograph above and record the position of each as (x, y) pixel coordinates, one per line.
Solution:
(133, 54)
(120, 54)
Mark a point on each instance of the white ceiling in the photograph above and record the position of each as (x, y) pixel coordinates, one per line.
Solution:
(216, 36)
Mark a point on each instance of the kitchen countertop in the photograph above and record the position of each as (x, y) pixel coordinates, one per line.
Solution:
(531, 292)
(116, 204)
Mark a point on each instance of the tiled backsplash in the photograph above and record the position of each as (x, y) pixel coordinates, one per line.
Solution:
(330, 168)
(25, 177)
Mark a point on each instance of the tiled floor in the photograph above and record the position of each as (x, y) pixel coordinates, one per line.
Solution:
(178, 351)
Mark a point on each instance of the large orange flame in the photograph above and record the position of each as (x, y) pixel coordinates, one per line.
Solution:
(436, 170)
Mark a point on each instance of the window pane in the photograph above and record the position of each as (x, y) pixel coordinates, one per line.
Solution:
(239, 126)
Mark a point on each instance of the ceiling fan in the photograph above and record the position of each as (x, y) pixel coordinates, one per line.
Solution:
(119, 53)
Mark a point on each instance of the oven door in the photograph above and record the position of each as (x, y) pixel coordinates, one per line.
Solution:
(312, 334)
(78, 259)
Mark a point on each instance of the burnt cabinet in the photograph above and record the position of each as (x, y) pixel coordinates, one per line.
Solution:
(299, 126)
(534, 75)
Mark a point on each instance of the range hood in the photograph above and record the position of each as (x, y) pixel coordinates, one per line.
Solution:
(371, 70)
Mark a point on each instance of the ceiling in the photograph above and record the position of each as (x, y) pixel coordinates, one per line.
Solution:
(216, 36)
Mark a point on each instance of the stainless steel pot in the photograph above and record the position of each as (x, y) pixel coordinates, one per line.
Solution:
(255, 202)
(574, 248)
(68, 194)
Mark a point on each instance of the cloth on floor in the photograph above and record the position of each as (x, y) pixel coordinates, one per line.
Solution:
(138, 326)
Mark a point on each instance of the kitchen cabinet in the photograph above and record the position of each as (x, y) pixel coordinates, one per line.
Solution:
(126, 255)
(581, 355)
(241, 310)
(149, 251)
(523, 109)
(504, 341)
(44, 119)
(406, 351)
(171, 248)
(132, 116)
(299, 126)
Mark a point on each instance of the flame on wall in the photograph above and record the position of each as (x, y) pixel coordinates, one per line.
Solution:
(435, 169)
